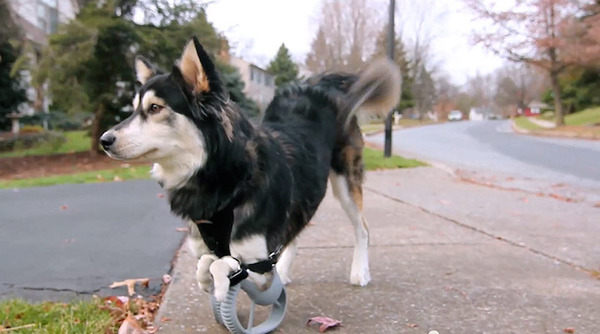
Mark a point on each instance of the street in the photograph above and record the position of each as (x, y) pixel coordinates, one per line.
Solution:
(72, 241)
(490, 150)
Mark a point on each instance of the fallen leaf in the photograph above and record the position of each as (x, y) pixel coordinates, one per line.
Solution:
(160, 195)
(182, 229)
(167, 278)
(125, 165)
(100, 177)
(130, 326)
(117, 301)
(569, 330)
(130, 284)
(325, 322)
(165, 319)
(117, 179)
(63, 207)
(411, 325)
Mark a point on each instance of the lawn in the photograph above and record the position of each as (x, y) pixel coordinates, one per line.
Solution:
(524, 123)
(374, 160)
(76, 141)
(404, 122)
(117, 174)
(55, 318)
(589, 116)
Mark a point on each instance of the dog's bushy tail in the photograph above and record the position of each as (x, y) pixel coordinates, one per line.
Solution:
(375, 90)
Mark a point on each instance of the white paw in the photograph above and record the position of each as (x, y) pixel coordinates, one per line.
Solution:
(285, 278)
(203, 275)
(220, 270)
(360, 277)
(221, 292)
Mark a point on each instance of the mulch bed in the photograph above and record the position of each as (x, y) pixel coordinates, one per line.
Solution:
(59, 164)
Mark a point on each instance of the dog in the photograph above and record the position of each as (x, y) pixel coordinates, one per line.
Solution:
(248, 191)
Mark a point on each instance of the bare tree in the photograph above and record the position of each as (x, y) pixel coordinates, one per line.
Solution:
(518, 85)
(343, 40)
(418, 20)
(532, 32)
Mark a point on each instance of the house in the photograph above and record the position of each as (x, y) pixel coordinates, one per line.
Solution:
(534, 108)
(259, 84)
(478, 114)
(38, 19)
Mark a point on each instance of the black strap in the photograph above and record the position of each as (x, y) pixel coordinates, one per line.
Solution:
(260, 267)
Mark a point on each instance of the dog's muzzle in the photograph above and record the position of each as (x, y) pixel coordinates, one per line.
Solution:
(107, 140)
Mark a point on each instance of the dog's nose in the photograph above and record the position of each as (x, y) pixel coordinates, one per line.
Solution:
(107, 140)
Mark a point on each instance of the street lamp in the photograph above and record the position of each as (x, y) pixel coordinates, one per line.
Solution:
(387, 146)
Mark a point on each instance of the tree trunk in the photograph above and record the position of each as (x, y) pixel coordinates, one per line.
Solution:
(558, 107)
(96, 130)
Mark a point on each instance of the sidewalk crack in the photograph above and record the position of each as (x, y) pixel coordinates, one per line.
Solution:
(591, 272)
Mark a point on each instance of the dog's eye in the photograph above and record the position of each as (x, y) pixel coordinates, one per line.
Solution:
(155, 108)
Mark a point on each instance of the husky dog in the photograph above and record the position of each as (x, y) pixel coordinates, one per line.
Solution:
(249, 190)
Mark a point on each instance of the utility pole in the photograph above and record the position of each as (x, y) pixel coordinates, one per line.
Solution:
(387, 146)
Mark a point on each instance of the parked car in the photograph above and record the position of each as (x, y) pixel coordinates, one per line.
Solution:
(455, 115)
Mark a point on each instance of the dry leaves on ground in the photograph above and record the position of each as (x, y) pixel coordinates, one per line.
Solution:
(326, 323)
(135, 315)
(130, 284)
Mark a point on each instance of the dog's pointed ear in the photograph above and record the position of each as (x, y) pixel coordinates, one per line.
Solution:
(197, 68)
(144, 70)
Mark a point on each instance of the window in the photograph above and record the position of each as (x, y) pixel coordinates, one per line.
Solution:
(47, 16)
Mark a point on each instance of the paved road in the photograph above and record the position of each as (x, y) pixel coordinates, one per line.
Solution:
(492, 147)
(72, 241)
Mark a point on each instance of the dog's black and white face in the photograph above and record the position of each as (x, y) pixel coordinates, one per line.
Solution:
(164, 127)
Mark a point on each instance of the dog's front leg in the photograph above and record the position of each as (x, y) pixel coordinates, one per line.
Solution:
(203, 276)
(220, 270)
(250, 250)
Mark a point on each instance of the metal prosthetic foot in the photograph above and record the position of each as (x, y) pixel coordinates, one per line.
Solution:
(226, 312)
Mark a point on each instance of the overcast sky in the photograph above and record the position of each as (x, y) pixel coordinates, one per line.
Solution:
(257, 28)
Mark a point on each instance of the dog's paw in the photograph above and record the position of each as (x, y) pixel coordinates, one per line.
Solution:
(360, 277)
(220, 270)
(285, 278)
(203, 275)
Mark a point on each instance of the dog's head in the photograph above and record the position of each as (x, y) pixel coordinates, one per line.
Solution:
(170, 112)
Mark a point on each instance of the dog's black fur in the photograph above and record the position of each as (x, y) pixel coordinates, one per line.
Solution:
(268, 179)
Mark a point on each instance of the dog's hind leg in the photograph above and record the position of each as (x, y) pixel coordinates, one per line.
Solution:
(284, 264)
(348, 191)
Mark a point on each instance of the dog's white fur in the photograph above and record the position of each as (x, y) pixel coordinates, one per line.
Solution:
(359, 274)
(284, 264)
(177, 146)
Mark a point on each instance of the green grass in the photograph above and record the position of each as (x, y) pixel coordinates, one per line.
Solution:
(404, 122)
(374, 160)
(55, 318)
(585, 117)
(130, 173)
(524, 123)
(76, 141)
(588, 116)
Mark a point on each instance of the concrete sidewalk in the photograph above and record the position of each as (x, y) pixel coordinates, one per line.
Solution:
(445, 255)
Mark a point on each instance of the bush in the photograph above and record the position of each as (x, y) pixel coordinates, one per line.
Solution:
(26, 129)
(58, 120)
(28, 140)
